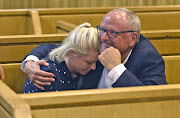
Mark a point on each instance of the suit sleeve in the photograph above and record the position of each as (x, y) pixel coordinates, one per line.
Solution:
(42, 50)
(31, 88)
(149, 70)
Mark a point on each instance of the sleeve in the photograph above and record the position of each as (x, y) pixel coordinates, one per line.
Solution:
(29, 87)
(149, 70)
(38, 53)
(30, 57)
(114, 74)
(42, 50)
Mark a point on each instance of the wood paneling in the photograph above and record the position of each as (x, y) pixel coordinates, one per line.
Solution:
(24, 4)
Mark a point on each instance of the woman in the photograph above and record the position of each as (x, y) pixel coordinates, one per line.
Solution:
(71, 61)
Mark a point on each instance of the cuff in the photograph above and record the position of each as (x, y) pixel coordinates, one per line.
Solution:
(30, 57)
(114, 74)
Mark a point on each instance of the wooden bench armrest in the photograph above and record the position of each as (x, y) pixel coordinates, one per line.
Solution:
(65, 26)
(12, 106)
(161, 33)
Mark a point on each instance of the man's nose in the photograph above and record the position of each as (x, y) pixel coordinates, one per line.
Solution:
(105, 36)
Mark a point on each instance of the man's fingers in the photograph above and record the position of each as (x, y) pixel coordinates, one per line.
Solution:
(44, 79)
(40, 83)
(42, 62)
(40, 87)
(44, 74)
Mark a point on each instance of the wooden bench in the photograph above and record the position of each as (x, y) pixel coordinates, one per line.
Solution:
(148, 101)
(19, 22)
(12, 105)
(43, 21)
(138, 102)
(172, 65)
(166, 42)
(161, 39)
(15, 78)
(151, 20)
(14, 48)
(47, 19)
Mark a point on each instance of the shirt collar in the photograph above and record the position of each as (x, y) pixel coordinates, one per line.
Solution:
(124, 62)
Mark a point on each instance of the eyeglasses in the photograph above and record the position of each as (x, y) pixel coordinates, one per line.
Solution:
(111, 34)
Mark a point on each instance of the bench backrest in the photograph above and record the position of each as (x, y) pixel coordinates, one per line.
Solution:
(13, 49)
(10, 46)
(42, 21)
(149, 20)
(15, 78)
(137, 102)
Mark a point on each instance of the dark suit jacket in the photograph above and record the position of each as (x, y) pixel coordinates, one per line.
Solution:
(145, 66)
(63, 80)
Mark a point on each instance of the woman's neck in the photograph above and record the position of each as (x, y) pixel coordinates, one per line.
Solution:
(73, 73)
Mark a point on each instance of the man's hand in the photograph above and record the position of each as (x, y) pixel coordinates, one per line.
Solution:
(1, 73)
(38, 77)
(110, 58)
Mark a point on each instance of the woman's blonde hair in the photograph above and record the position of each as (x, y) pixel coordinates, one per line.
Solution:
(81, 40)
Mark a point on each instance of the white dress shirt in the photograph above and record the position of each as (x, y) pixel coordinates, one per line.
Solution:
(108, 78)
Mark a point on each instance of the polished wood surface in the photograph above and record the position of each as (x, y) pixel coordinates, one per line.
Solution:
(37, 21)
(64, 27)
(172, 65)
(15, 78)
(137, 102)
(24, 4)
(160, 101)
(13, 73)
(12, 45)
(13, 49)
(11, 105)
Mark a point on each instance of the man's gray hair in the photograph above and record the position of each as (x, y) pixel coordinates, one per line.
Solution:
(133, 20)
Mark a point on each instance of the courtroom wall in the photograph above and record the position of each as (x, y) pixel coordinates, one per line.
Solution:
(26, 4)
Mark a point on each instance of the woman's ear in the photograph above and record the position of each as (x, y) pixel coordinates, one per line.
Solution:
(71, 53)
(134, 38)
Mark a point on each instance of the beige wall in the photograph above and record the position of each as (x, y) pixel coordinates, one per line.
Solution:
(23, 4)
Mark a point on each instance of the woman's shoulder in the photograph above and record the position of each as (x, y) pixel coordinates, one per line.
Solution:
(54, 65)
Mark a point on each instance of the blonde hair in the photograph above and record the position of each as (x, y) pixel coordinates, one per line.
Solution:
(81, 39)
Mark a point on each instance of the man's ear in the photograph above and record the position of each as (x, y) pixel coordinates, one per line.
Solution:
(134, 38)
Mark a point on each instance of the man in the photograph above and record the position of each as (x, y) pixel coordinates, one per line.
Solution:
(128, 57)
(1, 73)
